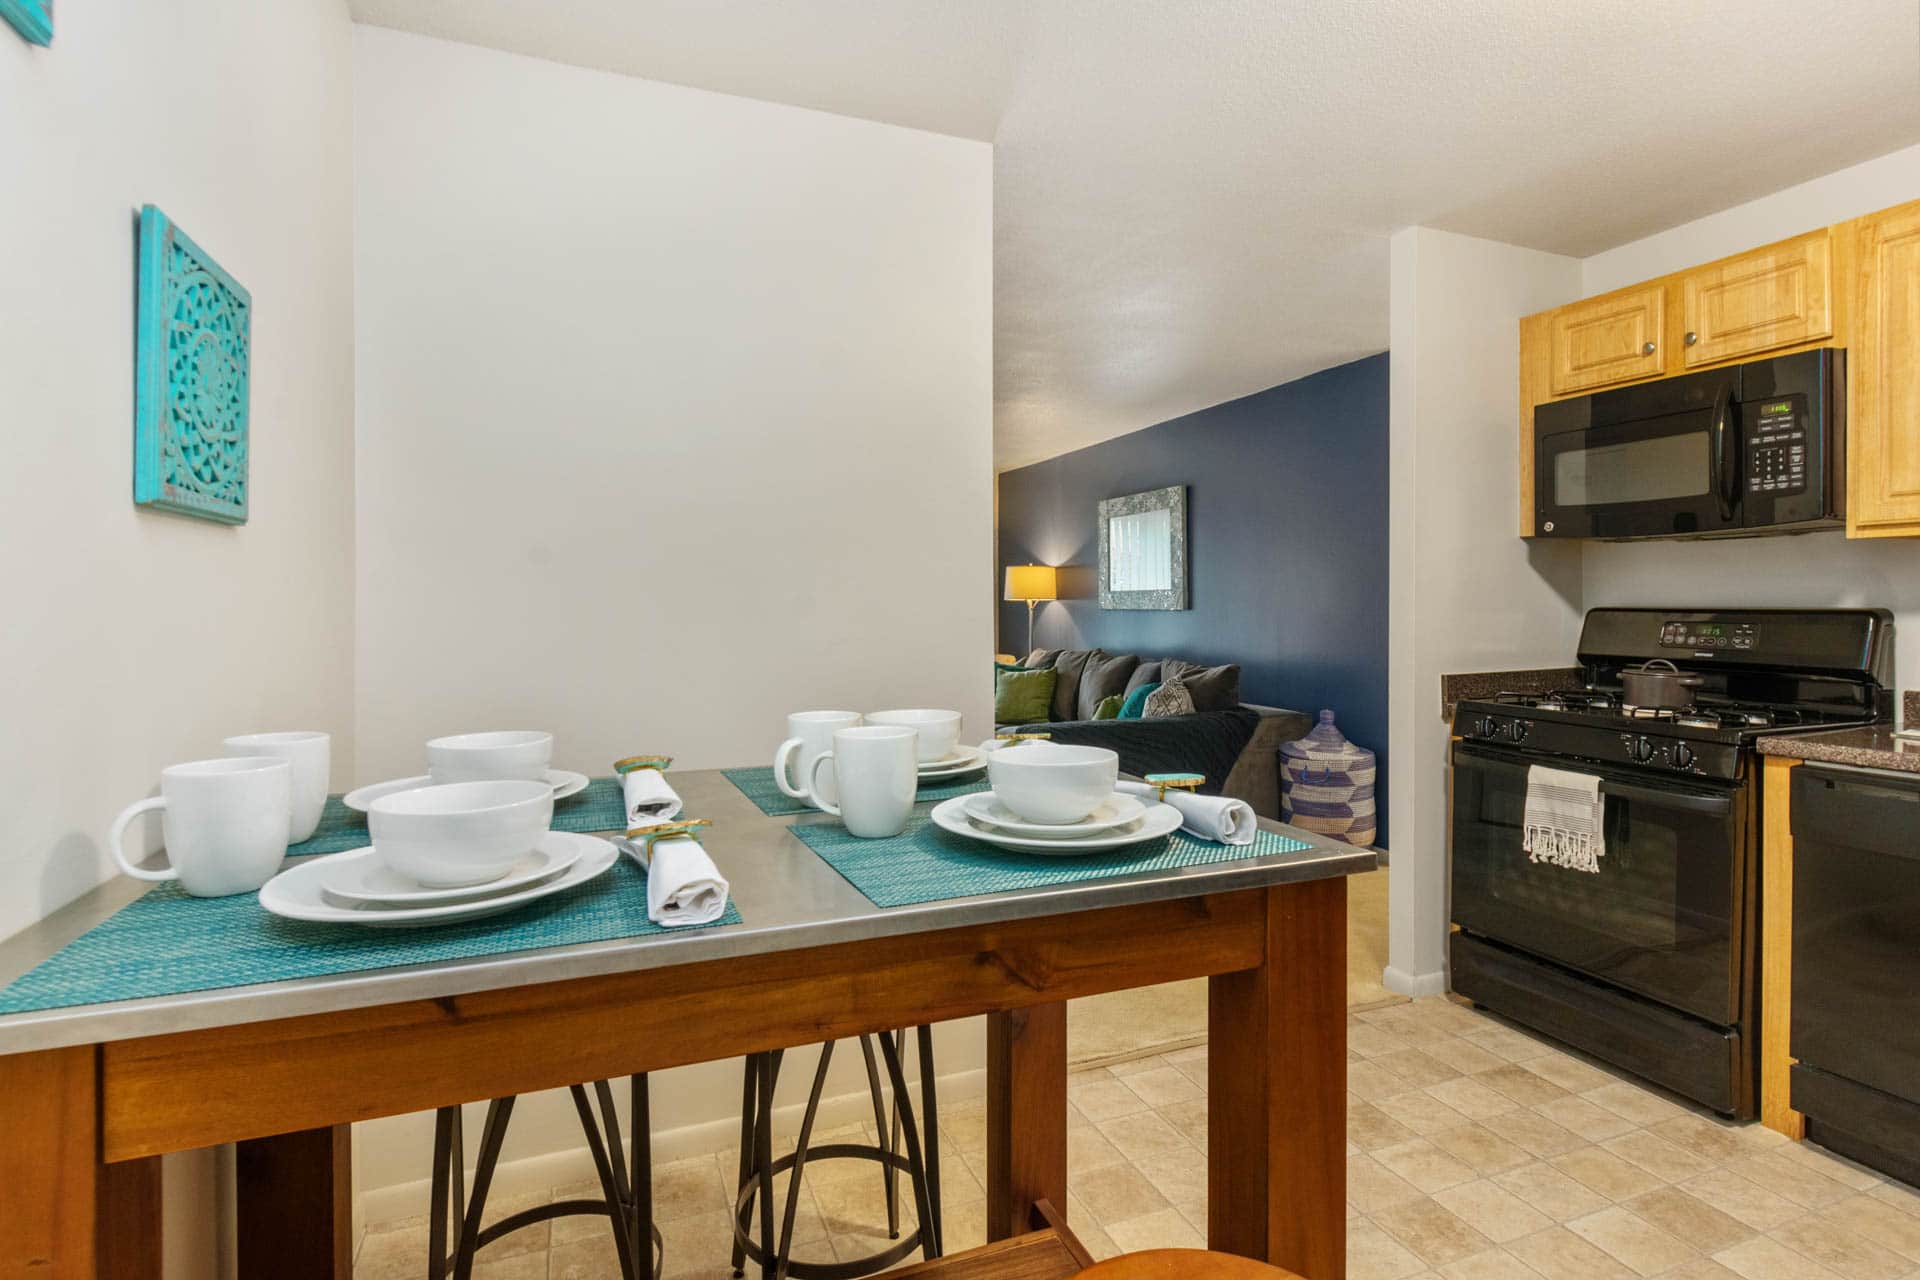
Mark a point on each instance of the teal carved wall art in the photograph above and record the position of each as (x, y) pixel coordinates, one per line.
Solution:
(31, 18)
(192, 348)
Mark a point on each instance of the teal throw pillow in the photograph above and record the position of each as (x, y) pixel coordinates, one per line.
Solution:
(1135, 704)
(1023, 697)
(1109, 708)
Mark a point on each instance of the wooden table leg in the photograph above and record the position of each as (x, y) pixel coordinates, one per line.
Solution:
(49, 1163)
(1026, 1115)
(129, 1220)
(1277, 1090)
(295, 1204)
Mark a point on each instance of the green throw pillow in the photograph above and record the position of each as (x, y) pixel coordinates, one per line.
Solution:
(1023, 697)
(1003, 666)
(1109, 708)
(1136, 702)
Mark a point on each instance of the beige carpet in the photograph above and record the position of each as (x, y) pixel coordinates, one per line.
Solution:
(1127, 1024)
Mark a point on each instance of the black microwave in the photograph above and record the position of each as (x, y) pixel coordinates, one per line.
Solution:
(1745, 449)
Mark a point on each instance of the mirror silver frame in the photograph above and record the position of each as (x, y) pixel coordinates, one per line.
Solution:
(1173, 499)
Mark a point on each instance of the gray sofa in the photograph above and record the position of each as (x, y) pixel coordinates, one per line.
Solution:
(1236, 745)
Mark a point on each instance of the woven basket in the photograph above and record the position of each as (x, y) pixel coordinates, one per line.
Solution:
(1326, 784)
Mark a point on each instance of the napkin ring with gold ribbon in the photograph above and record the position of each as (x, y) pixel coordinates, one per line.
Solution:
(667, 830)
(1022, 737)
(1165, 782)
(631, 763)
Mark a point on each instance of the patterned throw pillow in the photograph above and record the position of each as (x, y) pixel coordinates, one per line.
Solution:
(1170, 699)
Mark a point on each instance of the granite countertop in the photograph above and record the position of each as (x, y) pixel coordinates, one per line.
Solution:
(1871, 747)
(1471, 685)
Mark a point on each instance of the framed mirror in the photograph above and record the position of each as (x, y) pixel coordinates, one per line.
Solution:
(1143, 550)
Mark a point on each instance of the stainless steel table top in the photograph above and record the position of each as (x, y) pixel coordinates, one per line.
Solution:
(789, 897)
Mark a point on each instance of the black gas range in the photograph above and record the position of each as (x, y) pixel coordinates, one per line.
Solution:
(1651, 960)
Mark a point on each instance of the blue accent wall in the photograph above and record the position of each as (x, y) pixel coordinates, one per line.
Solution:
(1286, 543)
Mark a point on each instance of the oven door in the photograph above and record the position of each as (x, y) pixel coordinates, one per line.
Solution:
(1664, 917)
(1671, 475)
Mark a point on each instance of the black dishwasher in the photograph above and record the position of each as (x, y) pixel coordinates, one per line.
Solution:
(1855, 1035)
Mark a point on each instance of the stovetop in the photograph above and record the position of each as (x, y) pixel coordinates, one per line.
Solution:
(1761, 671)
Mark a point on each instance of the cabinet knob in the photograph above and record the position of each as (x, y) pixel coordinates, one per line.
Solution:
(1692, 337)
(1646, 349)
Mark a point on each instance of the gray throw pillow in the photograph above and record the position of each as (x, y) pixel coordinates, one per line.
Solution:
(1066, 690)
(1213, 688)
(1039, 658)
(1104, 676)
(1170, 699)
(1145, 673)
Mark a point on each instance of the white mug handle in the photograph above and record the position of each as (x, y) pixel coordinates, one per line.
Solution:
(813, 785)
(782, 760)
(120, 825)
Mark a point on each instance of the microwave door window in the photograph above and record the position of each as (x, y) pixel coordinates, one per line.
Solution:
(1659, 469)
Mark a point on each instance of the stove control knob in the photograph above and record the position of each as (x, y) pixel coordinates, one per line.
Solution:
(1682, 756)
(1486, 727)
(1641, 749)
(1519, 730)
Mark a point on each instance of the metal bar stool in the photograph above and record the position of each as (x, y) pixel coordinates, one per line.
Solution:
(627, 1188)
(920, 1160)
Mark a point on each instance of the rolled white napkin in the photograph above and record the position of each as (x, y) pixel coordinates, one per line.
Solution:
(650, 798)
(1220, 819)
(683, 886)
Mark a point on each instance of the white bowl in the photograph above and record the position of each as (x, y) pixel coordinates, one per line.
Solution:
(1052, 783)
(462, 833)
(936, 733)
(490, 757)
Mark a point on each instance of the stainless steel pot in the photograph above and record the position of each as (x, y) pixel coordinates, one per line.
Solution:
(1658, 684)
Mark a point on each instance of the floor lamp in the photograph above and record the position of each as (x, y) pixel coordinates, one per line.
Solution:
(1032, 583)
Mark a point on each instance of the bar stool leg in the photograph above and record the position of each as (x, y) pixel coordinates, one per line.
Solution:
(749, 1113)
(929, 1244)
(930, 1126)
(763, 1161)
(889, 1180)
(492, 1135)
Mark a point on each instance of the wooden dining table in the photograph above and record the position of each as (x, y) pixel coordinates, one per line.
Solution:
(91, 1096)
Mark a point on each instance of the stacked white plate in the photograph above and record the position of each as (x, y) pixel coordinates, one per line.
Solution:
(357, 887)
(963, 760)
(565, 782)
(1121, 820)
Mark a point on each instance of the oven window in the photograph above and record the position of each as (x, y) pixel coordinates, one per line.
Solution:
(1658, 918)
(1653, 470)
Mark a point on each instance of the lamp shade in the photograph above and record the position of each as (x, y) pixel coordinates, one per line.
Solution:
(1032, 582)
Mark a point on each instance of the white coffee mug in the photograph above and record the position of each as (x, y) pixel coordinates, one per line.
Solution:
(225, 823)
(874, 768)
(809, 733)
(310, 755)
(939, 731)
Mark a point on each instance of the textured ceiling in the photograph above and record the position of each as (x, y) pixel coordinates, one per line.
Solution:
(1192, 197)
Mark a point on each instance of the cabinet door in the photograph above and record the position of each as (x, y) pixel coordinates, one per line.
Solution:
(1883, 377)
(1775, 297)
(1615, 338)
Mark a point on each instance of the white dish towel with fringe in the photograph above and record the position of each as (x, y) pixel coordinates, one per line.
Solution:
(1564, 816)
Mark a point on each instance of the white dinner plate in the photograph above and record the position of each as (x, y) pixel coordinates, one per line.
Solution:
(1117, 810)
(300, 894)
(1159, 820)
(371, 880)
(963, 760)
(565, 782)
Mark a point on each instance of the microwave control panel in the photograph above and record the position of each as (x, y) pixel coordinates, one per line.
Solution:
(1776, 439)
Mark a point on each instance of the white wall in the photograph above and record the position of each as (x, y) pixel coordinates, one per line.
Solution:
(674, 415)
(1466, 593)
(1823, 569)
(149, 637)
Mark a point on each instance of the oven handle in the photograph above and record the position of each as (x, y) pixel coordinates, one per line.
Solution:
(1723, 491)
(1714, 803)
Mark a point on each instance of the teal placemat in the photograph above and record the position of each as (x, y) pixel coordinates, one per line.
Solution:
(925, 864)
(601, 807)
(167, 943)
(758, 786)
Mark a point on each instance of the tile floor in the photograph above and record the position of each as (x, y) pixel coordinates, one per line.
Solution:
(1475, 1152)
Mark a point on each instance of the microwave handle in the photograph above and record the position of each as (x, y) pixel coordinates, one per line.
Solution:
(1724, 478)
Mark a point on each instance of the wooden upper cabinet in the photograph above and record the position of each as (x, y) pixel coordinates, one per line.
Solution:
(1779, 296)
(1609, 339)
(1883, 377)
